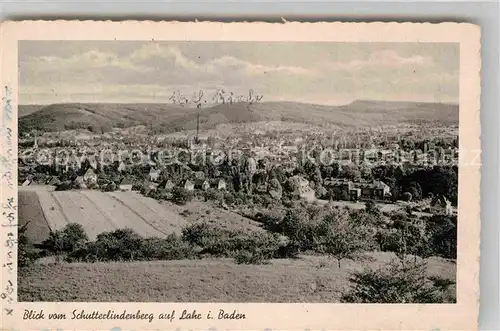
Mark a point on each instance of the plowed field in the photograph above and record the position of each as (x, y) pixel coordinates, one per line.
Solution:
(96, 211)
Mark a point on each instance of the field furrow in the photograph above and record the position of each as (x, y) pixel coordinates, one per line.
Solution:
(152, 220)
(79, 209)
(120, 214)
(52, 210)
(169, 218)
(97, 212)
(166, 218)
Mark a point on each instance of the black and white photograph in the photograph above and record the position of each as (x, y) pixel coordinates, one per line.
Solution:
(238, 171)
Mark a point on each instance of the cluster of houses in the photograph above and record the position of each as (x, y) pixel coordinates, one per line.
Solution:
(439, 202)
(90, 178)
(268, 149)
(344, 189)
(154, 182)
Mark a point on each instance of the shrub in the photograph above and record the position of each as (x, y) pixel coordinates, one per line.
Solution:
(139, 187)
(25, 253)
(158, 194)
(250, 257)
(88, 252)
(71, 237)
(171, 248)
(213, 195)
(229, 198)
(341, 238)
(407, 196)
(267, 201)
(364, 217)
(372, 208)
(211, 239)
(257, 248)
(389, 240)
(270, 219)
(319, 229)
(73, 234)
(110, 187)
(442, 231)
(64, 186)
(126, 245)
(287, 250)
(216, 241)
(407, 236)
(197, 233)
(397, 283)
(121, 244)
(301, 231)
(263, 244)
(243, 198)
(181, 196)
(118, 245)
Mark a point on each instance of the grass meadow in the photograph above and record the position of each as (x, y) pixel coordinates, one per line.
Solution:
(306, 279)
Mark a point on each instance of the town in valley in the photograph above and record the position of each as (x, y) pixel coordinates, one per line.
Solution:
(252, 172)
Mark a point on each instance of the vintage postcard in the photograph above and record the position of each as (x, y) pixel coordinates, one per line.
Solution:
(240, 176)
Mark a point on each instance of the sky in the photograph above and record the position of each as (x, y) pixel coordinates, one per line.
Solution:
(328, 73)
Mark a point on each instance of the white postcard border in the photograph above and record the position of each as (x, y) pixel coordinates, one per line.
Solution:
(460, 316)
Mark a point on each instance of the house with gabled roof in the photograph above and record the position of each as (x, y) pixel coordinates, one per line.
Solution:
(90, 177)
(169, 185)
(93, 163)
(440, 201)
(189, 185)
(304, 190)
(201, 184)
(221, 184)
(154, 174)
(121, 167)
(126, 184)
(80, 182)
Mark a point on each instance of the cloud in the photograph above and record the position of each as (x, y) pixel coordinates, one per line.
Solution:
(110, 72)
(385, 59)
(213, 66)
(232, 63)
(89, 60)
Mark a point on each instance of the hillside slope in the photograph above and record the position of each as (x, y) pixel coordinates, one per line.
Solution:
(96, 211)
(98, 117)
(171, 118)
(308, 279)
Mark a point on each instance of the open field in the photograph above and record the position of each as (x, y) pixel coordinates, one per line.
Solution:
(198, 211)
(308, 279)
(96, 211)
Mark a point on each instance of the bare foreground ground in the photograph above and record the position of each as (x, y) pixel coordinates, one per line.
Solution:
(308, 279)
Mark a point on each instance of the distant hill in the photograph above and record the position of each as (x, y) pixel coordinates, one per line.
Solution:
(28, 109)
(100, 117)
